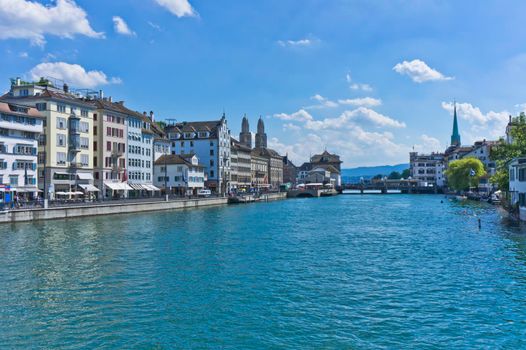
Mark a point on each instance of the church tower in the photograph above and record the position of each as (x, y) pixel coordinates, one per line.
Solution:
(261, 137)
(245, 137)
(455, 136)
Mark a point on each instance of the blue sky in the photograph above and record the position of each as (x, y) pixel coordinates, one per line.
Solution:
(367, 79)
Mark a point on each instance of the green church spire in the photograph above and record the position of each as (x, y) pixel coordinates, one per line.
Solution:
(455, 137)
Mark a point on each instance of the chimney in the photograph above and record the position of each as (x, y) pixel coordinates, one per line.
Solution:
(101, 94)
(65, 88)
(510, 118)
(152, 117)
(18, 81)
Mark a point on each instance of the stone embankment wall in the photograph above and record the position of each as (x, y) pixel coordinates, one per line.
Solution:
(105, 209)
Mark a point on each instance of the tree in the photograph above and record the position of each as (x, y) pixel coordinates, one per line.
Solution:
(378, 177)
(503, 152)
(464, 173)
(406, 174)
(395, 175)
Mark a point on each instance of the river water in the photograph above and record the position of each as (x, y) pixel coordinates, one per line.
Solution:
(362, 272)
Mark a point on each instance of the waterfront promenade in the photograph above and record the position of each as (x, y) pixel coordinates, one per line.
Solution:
(343, 272)
(123, 206)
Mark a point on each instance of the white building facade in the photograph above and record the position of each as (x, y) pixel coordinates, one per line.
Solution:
(517, 185)
(20, 127)
(179, 174)
(427, 169)
(210, 141)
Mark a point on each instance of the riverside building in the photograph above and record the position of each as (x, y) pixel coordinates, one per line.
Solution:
(139, 157)
(179, 174)
(427, 169)
(210, 141)
(517, 185)
(110, 146)
(65, 153)
(20, 128)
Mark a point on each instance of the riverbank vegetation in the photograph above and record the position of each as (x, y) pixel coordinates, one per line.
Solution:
(506, 150)
(464, 173)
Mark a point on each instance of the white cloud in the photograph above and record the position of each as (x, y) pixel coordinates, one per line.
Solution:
(295, 43)
(429, 144)
(73, 74)
(21, 19)
(490, 125)
(357, 86)
(345, 134)
(365, 101)
(323, 102)
(120, 26)
(299, 116)
(180, 8)
(363, 87)
(23, 55)
(419, 71)
(154, 26)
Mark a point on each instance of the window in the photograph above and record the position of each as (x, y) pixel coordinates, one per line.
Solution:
(42, 140)
(95, 161)
(61, 108)
(95, 116)
(61, 123)
(182, 143)
(84, 127)
(211, 162)
(41, 106)
(211, 152)
(84, 159)
(94, 145)
(84, 113)
(84, 143)
(211, 173)
(95, 130)
(191, 143)
(61, 158)
(61, 140)
(108, 146)
(13, 180)
(522, 174)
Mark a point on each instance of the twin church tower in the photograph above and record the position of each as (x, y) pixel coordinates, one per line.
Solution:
(245, 137)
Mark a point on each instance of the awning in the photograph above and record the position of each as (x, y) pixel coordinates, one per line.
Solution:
(85, 176)
(117, 186)
(149, 187)
(154, 188)
(25, 189)
(61, 193)
(137, 187)
(89, 188)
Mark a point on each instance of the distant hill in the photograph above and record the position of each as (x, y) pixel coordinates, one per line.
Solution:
(367, 172)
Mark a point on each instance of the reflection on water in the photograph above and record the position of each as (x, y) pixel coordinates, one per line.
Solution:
(343, 272)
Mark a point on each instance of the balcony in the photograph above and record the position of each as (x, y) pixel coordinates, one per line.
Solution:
(74, 143)
(76, 165)
(74, 125)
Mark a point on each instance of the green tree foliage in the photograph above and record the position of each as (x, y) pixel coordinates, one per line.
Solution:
(395, 175)
(503, 152)
(459, 175)
(378, 177)
(406, 173)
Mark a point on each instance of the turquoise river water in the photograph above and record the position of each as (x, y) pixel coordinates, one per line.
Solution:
(348, 272)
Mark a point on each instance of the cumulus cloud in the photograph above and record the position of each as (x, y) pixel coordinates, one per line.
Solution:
(21, 19)
(121, 27)
(429, 144)
(295, 43)
(355, 134)
(180, 8)
(357, 86)
(365, 102)
(419, 71)
(490, 125)
(323, 102)
(74, 74)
